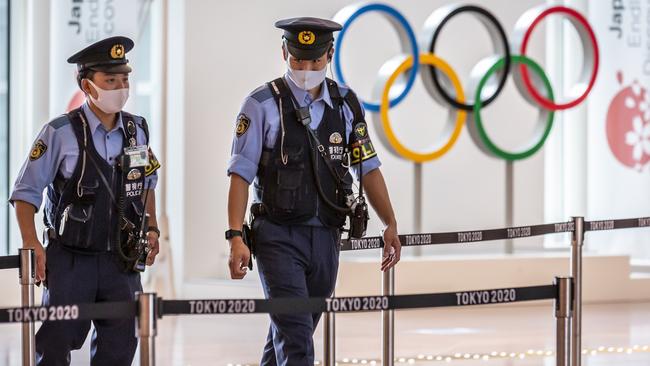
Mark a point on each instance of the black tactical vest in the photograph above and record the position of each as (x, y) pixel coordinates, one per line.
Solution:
(85, 215)
(286, 178)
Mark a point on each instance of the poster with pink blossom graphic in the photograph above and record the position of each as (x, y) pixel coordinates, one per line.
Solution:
(619, 125)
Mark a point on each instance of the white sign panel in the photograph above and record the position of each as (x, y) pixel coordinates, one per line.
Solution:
(619, 125)
(76, 24)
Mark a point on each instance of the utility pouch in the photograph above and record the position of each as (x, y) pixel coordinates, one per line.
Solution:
(75, 230)
(289, 180)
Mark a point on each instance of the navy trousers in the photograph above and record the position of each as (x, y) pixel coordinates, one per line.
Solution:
(294, 261)
(75, 278)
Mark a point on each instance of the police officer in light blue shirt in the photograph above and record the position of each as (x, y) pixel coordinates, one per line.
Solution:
(97, 168)
(300, 140)
(260, 106)
(60, 154)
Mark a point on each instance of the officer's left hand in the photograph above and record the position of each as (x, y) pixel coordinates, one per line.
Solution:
(392, 248)
(154, 247)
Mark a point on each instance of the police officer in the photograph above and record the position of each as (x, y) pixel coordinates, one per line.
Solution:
(97, 167)
(299, 139)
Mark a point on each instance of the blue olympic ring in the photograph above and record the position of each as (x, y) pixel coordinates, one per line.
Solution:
(415, 52)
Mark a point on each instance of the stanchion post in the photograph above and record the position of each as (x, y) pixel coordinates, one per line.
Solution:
(26, 277)
(147, 328)
(577, 242)
(388, 320)
(329, 339)
(563, 316)
(510, 203)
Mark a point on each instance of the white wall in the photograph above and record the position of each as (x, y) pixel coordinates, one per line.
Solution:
(175, 177)
(230, 48)
(29, 89)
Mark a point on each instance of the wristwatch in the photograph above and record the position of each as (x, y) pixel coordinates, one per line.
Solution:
(230, 233)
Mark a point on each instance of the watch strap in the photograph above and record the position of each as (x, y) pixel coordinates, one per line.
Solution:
(230, 233)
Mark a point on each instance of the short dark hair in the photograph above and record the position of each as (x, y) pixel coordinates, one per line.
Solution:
(85, 74)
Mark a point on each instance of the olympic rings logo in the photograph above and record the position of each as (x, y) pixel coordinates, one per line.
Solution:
(438, 77)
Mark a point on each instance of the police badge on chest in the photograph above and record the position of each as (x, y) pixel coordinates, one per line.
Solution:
(336, 150)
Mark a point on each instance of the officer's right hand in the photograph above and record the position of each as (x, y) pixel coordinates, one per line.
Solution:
(39, 253)
(239, 257)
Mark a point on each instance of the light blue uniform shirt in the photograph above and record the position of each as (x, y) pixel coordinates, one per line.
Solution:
(62, 154)
(263, 112)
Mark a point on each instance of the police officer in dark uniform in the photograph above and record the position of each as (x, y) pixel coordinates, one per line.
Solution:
(100, 176)
(299, 139)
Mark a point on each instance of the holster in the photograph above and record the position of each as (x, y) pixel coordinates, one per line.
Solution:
(49, 236)
(257, 210)
(247, 238)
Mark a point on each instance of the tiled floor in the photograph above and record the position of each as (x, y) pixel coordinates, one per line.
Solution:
(614, 334)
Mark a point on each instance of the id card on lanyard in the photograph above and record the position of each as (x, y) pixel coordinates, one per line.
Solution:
(138, 156)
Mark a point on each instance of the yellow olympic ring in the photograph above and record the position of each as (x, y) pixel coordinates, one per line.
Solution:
(461, 115)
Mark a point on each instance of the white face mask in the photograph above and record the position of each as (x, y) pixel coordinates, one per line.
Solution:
(306, 79)
(109, 101)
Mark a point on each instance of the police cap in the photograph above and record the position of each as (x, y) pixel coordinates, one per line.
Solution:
(308, 38)
(107, 55)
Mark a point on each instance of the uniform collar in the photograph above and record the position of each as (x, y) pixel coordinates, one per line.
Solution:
(302, 96)
(94, 122)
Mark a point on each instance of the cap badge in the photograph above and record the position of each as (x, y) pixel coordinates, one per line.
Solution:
(306, 37)
(117, 51)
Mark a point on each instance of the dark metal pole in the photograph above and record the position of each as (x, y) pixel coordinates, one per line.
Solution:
(388, 320)
(26, 277)
(510, 203)
(329, 339)
(577, 243)
(563, 316)
(147, 329)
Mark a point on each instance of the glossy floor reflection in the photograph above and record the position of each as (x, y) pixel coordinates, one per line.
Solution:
(614, 334)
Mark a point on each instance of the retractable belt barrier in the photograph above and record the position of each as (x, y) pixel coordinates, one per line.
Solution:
(88, 311)
(461, 237)
(10, 261)
(128, 309)
(148, 308)
(566, 291)
(617, 224)
(358, 303)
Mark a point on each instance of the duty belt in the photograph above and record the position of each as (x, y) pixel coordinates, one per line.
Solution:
(258, 210)
(50, 237)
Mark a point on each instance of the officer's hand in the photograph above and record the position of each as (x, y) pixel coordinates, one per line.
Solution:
(39, 253)
(154, 247)
(392, 248)
(239, 257)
